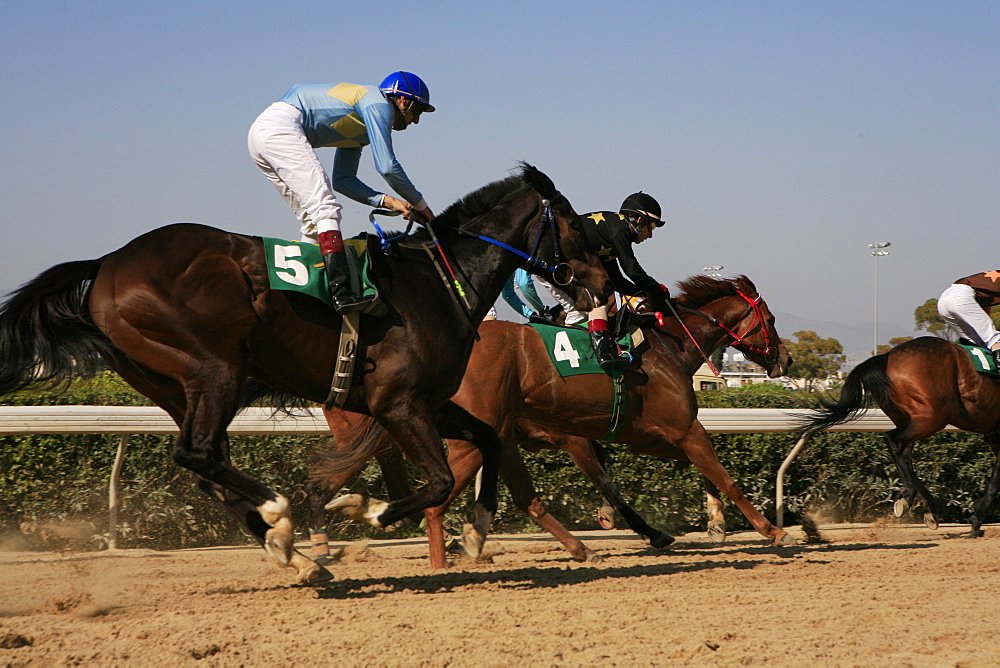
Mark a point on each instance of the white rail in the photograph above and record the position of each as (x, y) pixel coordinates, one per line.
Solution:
(126, 420)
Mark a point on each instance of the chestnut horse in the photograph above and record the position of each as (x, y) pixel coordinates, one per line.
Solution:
(923, 385)
(511, 384)
(185, 314)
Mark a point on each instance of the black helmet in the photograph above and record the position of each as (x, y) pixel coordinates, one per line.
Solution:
(641, 204)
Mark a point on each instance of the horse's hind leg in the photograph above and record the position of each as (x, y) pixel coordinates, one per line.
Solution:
(900, 442)
(985, 503)
(584, 455)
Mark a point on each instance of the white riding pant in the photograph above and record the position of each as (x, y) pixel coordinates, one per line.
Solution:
(279, 147)
(573, 315)
(957, 305)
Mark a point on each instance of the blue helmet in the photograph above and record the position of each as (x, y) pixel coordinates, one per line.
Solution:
(408, 85)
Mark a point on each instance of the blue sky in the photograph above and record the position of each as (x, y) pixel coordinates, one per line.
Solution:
(781, 138)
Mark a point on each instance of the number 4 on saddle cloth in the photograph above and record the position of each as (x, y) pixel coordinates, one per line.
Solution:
(571, 351)
(298, 266)
(982, 359)
(572, 354)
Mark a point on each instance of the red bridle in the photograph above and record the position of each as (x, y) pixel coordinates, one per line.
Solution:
(738, 339)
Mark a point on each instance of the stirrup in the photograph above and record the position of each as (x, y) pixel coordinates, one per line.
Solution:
(351, 304)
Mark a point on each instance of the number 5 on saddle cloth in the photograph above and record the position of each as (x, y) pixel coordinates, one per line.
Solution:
(298, 266)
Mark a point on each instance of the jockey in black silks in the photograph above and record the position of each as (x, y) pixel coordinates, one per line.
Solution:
(611, 235)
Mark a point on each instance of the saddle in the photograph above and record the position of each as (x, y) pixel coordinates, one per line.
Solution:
(298, 266)
(982, 358)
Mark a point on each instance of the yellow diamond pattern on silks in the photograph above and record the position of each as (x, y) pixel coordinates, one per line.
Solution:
(348, 127)
(348, 93)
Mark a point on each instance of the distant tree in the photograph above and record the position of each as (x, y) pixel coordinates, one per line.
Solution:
(816, 359)
(927, 318)
(893, 342)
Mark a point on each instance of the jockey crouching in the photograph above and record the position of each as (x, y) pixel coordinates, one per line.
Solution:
(611, 235)
(347, 117)
(966, 304)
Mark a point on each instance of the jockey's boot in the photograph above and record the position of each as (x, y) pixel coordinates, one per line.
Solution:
(607, 353)
(339, 276)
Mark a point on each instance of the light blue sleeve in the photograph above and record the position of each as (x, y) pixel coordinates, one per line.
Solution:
(510, 296)
(527, 288)
(378, 121)
(344, 178)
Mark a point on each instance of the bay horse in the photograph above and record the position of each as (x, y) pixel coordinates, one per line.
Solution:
(185, 315)
(511, 384)
(922, 385)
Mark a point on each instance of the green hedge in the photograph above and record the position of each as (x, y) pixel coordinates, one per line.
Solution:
(48, 480)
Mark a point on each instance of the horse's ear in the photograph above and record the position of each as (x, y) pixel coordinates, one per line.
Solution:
(746, 285)
(538, 181)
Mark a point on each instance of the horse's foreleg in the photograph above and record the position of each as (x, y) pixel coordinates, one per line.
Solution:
(698, 447)
(464, 460)
(412, 428)
(585, 456)
(455, 422)
(716, 518)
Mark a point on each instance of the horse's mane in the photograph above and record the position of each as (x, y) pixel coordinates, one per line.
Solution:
(696, 291)
(484, 199)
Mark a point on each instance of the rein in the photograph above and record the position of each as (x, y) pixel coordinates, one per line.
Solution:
(547, 223)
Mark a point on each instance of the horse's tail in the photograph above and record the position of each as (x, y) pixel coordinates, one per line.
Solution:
(867, 385)
(351, 451)
(47, 335)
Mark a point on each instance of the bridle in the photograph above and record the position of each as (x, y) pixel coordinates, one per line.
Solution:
(758, 318)
(562, 272)
(769, 352)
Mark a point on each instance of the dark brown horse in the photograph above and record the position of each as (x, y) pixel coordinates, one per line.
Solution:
(511, 384)
(185, 314)
(923, 385)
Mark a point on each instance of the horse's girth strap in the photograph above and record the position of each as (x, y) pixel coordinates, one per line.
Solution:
(617, 410)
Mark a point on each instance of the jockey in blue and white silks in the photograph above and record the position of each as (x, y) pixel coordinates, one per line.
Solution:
(346, 117)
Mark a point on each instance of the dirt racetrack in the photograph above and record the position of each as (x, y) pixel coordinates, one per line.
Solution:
(873, 595)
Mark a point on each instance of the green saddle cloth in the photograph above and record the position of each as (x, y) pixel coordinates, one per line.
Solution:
(570, 349)
(298, 266)
(982, 359)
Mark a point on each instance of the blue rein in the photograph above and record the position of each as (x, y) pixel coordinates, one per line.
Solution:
(548, 222)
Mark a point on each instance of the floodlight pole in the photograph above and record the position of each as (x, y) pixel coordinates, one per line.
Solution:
(877, 251)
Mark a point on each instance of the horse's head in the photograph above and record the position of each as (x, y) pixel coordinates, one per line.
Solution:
(557, 239)
(744, 315)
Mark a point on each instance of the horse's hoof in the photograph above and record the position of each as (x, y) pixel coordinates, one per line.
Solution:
(606, 517)
(346, 504)
(930, 521)
(314, 576)
(472, 541)
(717, 532)
(324, 560)
(279, 541)
(353, 507)
(278, 549)
(785, 540)
(900, 507)
(593, 558)
(662, 540)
